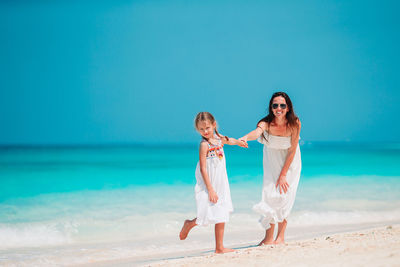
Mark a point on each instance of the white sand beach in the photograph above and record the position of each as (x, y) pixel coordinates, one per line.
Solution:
(372, 247)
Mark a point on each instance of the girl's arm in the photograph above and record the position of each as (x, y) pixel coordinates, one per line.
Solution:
(232, 141)
(282, 182)
(253, 135)
(212, 196)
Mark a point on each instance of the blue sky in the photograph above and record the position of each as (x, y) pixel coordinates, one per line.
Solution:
(93, 72)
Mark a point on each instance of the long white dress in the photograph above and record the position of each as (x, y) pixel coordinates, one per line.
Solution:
(208, 212)
(275, 207)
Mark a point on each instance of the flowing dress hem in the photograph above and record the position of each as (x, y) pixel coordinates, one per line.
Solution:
(206, 222)
(268, 216)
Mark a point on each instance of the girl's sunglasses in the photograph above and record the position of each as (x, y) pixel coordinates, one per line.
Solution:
(275, 106)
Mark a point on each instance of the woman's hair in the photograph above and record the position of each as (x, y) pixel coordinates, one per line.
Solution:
(207, 116)
(292, 119)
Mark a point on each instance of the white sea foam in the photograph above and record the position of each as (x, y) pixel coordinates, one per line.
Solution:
(35, 234)
(165, 225)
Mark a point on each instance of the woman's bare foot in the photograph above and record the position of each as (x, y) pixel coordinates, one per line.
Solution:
(224, 250)
(266, 242)
(187, 226)
(279, 242)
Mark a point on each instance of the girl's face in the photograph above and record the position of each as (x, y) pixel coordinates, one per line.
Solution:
(206, 128)
(279, 106)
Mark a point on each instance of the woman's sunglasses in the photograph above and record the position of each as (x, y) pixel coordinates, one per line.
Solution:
(275, 106)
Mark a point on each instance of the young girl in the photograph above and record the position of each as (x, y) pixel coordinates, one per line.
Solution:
(213, 197)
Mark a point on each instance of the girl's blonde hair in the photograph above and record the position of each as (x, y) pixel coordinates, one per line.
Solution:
(207, 116)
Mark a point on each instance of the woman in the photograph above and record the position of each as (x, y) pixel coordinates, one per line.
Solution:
(279, 131)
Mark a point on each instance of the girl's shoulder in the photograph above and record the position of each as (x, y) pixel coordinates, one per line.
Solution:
(204, 142)
(204, 146)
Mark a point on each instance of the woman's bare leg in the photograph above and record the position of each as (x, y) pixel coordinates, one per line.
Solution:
(187, 226)
(269, 236)
(280, 238)
(219, 239)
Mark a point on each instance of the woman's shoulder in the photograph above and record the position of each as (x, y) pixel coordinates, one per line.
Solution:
(263, 125)
(296, 129)
(298, 123)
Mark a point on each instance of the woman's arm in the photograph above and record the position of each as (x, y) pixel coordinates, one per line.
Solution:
(282, 182)
(212, 196)
(253, 135)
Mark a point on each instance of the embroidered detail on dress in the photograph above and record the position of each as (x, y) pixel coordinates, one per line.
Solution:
(215, 151)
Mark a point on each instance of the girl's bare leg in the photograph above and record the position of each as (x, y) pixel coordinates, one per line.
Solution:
(280, 238)
(269, 236)
(187, 226)
(219, 239)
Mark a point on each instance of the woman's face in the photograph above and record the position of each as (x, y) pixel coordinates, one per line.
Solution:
(279, 106)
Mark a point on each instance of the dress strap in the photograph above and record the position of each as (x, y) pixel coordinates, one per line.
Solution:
(218, 143)
(212, 147)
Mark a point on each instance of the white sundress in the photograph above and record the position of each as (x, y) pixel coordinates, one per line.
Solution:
(275, 207)
(208, 212)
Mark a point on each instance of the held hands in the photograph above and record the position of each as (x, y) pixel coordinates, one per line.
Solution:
(243, 142)
(282, 184)
(212, 196)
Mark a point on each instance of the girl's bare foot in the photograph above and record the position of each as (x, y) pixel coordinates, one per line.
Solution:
(224, 250)
(187, 226)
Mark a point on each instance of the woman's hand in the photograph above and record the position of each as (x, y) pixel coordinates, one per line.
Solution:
(212, 196)
(243, 141)
(282, 184)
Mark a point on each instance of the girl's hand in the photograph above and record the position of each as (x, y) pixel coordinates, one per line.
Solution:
(282, 184)
(243, 142)
(212, 196)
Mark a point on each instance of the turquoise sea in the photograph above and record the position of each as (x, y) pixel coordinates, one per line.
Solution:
(80, 205)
